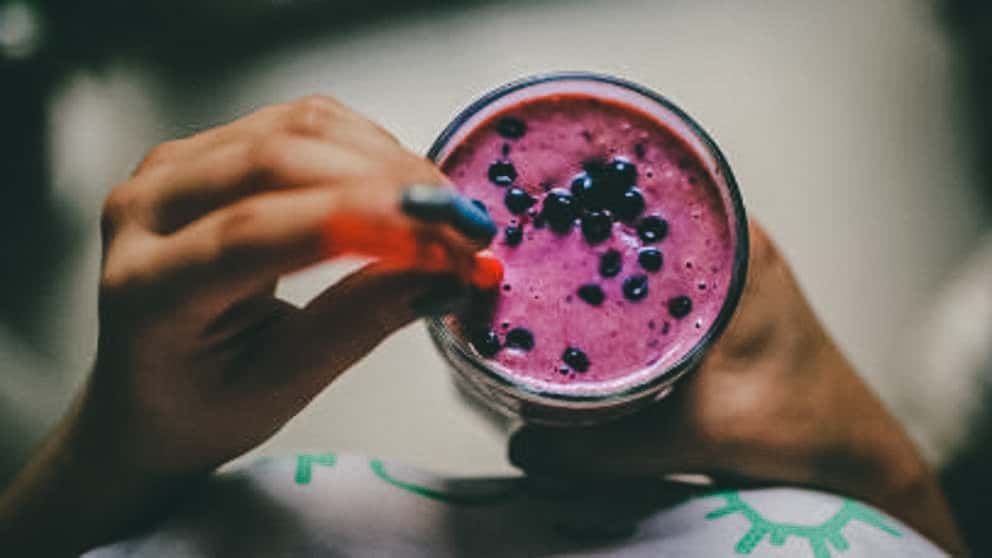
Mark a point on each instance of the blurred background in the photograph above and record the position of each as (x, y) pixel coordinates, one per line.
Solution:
(859, 132)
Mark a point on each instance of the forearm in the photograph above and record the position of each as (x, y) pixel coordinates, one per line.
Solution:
(900, 482)
(74, 494)
(878, 463)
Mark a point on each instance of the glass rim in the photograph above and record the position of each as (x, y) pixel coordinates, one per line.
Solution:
(738, 274)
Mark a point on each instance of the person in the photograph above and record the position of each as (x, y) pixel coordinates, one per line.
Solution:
(198, 362)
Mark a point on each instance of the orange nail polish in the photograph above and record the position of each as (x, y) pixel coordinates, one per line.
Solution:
(488, 272)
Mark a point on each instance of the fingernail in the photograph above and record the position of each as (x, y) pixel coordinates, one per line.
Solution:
(439, 204)
(488, 272)
(472, 219)
(446, 297)
(428, 203)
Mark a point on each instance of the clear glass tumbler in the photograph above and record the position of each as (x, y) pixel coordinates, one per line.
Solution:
(500, 391)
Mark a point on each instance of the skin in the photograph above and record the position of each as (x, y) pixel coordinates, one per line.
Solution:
(198, 362)
(773, 401)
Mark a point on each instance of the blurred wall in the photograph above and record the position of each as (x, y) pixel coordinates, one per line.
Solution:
(842, 121)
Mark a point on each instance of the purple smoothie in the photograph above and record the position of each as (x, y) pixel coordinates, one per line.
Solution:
(616, 241)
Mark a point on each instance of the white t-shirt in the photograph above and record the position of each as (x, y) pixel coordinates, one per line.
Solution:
(322, 504)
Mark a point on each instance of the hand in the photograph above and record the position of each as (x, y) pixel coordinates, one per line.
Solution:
(197, 361)
(774, 400)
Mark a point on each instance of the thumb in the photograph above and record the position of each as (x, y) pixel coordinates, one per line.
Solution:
(349, 319)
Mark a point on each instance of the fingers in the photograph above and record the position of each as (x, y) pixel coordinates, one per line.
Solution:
(238, 248)
(315, 139)
(343, 324)
(237, 170)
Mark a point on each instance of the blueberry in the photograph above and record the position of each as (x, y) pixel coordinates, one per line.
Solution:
(596, 226)
(575, 359)
(630, 205)
(602, 185)
(513, 235)
(594, 167)
(559, 210)
(517, 200)
(592, 192)
(582, 187)
(486, 342)
(520, 338)
(592, 294)
(635, 287)
(511, 127)
(679, 306)
(622, 173)
(610, 263)
(650, 259)
(652, 229)
(502, 173)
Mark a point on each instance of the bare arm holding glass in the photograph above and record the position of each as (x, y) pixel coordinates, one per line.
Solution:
(774, 401)
(198, 362)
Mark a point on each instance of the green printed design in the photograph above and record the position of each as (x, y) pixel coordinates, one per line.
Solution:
(379, 469)
(305, 463)
(821, 537)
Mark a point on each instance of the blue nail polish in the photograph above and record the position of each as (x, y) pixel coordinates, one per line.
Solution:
(472, 221)
(428, 203)
(436, 204)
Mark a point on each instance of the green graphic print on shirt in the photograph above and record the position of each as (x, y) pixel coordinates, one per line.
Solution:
(820, 537)
(306, 461)
(455, 498)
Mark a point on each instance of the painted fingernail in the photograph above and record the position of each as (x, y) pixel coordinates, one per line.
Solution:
(472, 220)
(488, 272)
(438, 204)
(448, 296)
(428, 203)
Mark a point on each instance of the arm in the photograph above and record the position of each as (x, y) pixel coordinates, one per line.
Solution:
(197, 361)
(774, 401)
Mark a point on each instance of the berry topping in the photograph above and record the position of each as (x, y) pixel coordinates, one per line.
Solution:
(679, 306)
(559, 210)
(650, 259)
(575, 359)
(604, 186)
(518, 201)
(594, 167)
(592, 294)
(652, 229)
(512, 235)
(520, 338)
(610, 263)
(622, 173)
(596, 226)
(630, 205)
(511, 128)
(502, 173)
(635, 287)
(486, 342)
(583, 187)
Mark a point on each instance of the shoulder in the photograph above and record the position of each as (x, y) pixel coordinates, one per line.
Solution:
(320, 503)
